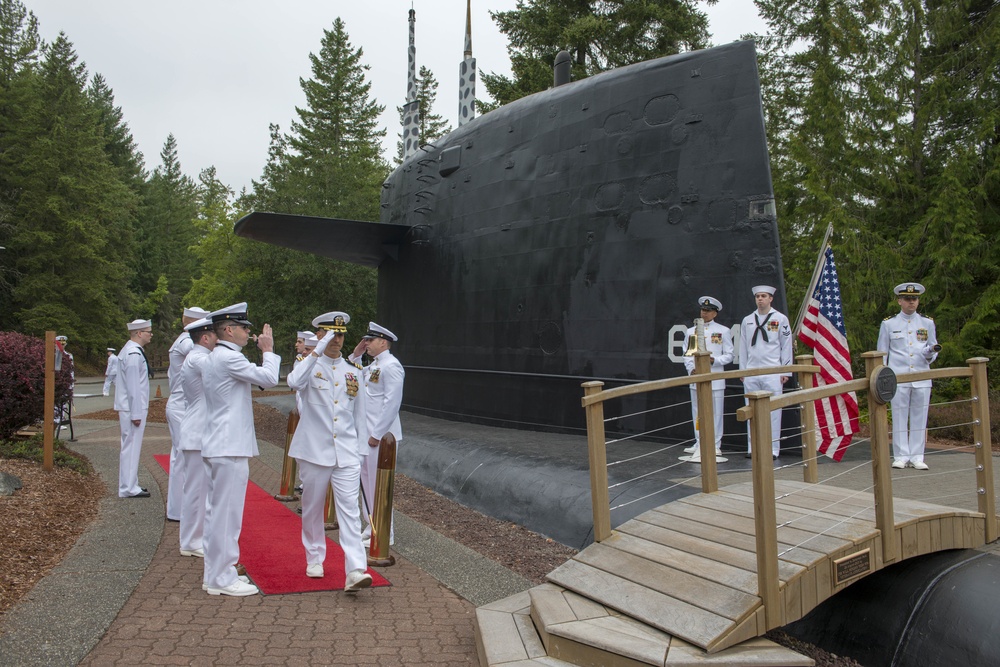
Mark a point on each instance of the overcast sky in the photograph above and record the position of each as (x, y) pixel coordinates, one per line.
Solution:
(215, 73)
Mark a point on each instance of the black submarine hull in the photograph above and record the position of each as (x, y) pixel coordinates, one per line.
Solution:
(562, 237)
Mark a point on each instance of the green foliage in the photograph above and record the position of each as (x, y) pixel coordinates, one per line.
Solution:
(22, 382)
(432, 125)
(599, 35)
(32, 449)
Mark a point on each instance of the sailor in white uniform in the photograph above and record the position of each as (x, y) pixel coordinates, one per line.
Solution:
(175, 412)
(132, 404)
(766, 340)
(910, 340)
(111, 372)
(194, 426)
(328, 449)
(384, 378)
(230, 442)
(718, 341)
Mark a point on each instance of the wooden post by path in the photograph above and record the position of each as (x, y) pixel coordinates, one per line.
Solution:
(706, 424)
(881, 464)
(983, 446)
(810, 436)
(765, 517)
(598, 463)
(48, 417)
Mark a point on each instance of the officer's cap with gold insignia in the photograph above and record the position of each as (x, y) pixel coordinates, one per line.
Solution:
(236, 312)
(709, 303)
(908, 289)
(311, 340)
(195, 312)
(379, 331)
(204, 324)
(136, 325)
(334, 321)
(766, 289)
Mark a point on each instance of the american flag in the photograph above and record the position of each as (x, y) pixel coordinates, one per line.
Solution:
(823, 331)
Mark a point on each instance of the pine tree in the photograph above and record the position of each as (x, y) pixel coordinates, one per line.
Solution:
(599, 35)
(432, 126)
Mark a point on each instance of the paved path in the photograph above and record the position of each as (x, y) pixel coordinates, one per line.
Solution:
(125, 596)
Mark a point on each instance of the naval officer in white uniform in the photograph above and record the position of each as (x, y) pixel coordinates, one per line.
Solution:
(718, 341)
(175, 412)
(910, 340)
(766, 340)
(384, 378)
(327, 447)
(230, 442)
(132, 404)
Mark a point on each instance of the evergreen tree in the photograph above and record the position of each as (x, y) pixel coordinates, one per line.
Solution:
(68, 201)
(598, 34)
(432, 125)
(217, 249)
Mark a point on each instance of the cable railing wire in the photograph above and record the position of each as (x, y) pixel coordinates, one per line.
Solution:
(643, 412)
(650, 495)
(655, 430)
(657, 451)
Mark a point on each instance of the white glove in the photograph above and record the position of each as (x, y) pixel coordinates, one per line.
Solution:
(323, 342)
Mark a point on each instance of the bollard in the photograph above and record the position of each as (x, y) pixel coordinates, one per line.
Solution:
(378, 552)
(286, 491)
(330, 511)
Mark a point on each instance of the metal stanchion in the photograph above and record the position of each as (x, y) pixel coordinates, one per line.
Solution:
(286, 492)
(378, 552)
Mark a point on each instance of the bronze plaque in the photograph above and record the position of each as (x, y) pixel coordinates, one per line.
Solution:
(882, 385)
(851, 566)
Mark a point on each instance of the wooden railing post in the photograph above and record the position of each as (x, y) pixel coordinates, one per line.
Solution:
(763, 506)
(48, 416)
(983, 446)
(598, 463)
(706, 424)
(810, 436)
(881, 464)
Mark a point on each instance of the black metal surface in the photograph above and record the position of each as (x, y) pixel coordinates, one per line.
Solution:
(936, 610)
(563, 236)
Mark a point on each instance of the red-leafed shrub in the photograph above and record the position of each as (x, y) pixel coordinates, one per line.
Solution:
(22, 382)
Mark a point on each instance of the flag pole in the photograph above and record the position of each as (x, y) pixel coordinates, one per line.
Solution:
(812, 283)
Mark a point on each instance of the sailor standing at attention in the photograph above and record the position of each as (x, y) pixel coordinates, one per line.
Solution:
(194, 426)
(132, 404)
(328, 449)
(766, 340)
(230, 442)
(111, 372)
(910, 340)
(175, 412)
(718, 341)
(384, 388)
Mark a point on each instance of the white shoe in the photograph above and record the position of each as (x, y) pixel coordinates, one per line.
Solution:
(197, 553)
(899, 464)
(357, 580)
(244, 579)
(691, 449)
(237, 589)
(314, 570)
(920, 465)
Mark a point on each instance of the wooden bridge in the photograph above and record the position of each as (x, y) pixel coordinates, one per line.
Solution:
(700, 579)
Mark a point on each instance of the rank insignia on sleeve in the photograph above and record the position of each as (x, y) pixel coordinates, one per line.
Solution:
(374, 376)
(352, 384)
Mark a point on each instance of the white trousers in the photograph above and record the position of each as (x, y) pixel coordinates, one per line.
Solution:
(369, 477)
(772, 384)
(193, 501)
(717, 408)
(316, 479)
(227, 493)
(909, 422)
(108, 381)
(175, 481)
(128, 459)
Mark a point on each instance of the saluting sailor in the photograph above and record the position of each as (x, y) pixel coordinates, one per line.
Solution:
(175, 412)
(384, 378)
(230, 442)
(718, 341)
(766, 340)
(910, 340)
(132, 404)
(194, 426)
(328, 448)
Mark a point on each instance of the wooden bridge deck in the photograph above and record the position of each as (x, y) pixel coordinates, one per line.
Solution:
(689, 567)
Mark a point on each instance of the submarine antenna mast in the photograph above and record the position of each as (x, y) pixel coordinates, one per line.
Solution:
(411, 110)
(467, 75)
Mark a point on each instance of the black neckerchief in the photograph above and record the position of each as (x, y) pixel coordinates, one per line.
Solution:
(760, 328)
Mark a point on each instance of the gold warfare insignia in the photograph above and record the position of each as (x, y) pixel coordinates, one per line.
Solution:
(319, 374)
(374, 376)
(773, 325)
(717, 339)
(922, 335)
(352, 384)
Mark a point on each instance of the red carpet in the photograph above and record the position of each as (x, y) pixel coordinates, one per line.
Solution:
(271, 547)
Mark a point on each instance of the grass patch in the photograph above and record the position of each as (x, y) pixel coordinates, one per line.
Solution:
(31, 449)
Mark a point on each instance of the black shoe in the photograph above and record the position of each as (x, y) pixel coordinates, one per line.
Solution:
(749, 455)
(173, 520)
(144, 489)
(142, 494)
(774, 457)
(298, 489)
